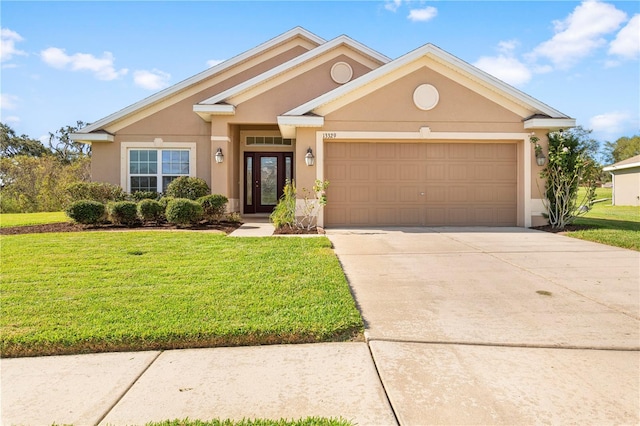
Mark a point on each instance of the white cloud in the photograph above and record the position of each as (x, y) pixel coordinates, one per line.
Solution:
(627, 42)
(392, 5)
(610, 123)
(8, 40)
(11, 119)
(8, 102)
(422, 15)
(151, 80)
(214, 62)
(580, 33)
(102, 68)
(506, 68)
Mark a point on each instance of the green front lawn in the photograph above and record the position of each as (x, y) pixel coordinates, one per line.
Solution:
(23, 219)
(135, 290)
(612, 225)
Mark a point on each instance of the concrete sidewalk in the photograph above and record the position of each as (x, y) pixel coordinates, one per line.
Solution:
(254, 226)
(133, 388)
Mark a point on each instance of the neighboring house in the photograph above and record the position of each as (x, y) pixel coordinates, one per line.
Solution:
(626, 181)
(422, 140)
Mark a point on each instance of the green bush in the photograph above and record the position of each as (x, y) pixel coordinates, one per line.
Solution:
(123, 212)
(214, 206)
(87, 212)
(144, 195)
(284, 215)
(150, 211)
(164, 201)
(187, 187)
(101, 192)
(182, 211)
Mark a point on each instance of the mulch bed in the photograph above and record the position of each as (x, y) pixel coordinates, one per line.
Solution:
(227, 227)
(298, 231)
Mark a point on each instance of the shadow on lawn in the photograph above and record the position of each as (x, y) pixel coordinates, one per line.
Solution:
(596, 223)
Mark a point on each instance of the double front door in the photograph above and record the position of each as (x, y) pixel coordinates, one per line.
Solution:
(265, 174)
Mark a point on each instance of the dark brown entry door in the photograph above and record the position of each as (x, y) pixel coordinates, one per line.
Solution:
(265, 174)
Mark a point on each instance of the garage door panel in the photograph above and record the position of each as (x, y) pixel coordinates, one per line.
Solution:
(421, 184)
(409, 194)
(359, 172)
(387, 194)
(410, 172)
(360, 194)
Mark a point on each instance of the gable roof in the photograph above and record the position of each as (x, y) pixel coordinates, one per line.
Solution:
(219, 103)
(624, 164)
(446, 59)
(210, 72)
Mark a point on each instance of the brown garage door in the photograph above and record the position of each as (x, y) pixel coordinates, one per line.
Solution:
(421, 184)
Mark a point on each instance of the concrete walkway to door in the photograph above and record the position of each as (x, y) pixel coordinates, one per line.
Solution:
(498, 325)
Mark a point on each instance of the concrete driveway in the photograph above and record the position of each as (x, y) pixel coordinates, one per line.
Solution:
(498, 325)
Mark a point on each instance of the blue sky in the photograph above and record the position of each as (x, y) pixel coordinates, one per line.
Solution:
(69, 61)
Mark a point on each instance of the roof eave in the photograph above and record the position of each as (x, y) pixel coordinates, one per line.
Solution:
(89, 138)
(549, 123)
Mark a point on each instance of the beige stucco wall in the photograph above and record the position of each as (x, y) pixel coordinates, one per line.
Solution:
(626, 187)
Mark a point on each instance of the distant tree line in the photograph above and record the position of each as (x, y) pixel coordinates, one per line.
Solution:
(33, 177)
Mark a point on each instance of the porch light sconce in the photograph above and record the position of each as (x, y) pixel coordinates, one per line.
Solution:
(219, 156)
(541, 159)
(309, 158)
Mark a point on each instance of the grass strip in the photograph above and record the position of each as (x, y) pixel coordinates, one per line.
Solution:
(24, 219)
(617, 226)
(82, 292)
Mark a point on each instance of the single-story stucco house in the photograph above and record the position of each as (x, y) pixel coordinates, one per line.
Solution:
(626, 181)
(422, 140)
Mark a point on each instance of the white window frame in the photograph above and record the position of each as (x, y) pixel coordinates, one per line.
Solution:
(158, 145)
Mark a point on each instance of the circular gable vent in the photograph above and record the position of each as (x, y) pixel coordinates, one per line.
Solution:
(426, 97)
(341, 72)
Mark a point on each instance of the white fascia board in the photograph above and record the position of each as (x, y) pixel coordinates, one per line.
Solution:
(289, 124)
(298, 60)
(613, 168)
(442, 56)
(550, 123)
(91, 137)
(297, 31)
(206, 111)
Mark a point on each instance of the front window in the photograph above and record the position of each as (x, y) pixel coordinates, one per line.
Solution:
(147, 175)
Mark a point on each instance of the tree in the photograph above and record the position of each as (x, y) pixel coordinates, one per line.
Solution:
(66, 149)
(570, 165)
(12, 145)
(622, 149)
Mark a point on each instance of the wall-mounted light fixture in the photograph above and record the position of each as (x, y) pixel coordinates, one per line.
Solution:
(219, 156)
(309, 158)
(540, 159)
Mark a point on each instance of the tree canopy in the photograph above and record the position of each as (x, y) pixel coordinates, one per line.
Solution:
(12, 145)
(623, 148)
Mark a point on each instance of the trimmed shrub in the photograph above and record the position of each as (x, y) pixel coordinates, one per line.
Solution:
(87, 212)
(164, 201)
(182, 211)
(187, 187)
(144, 195)
(101, 192)
(214, 206)
(150, 211)
(123, 213)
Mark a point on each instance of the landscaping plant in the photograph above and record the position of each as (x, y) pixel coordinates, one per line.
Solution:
(101, 192)
(284, 214)
(188, 187)
(182, 211)
(150, 211)
(86, 212)
(123, 213)
(288, 214)
(214, 206)
(568, 167)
